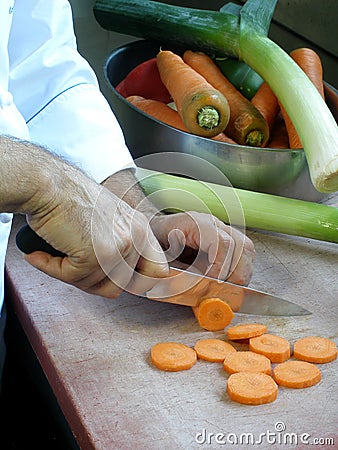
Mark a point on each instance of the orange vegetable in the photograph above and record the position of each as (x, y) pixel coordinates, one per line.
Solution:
(158, 110)
(166, 114)
(315, 349)
(246, 125)
(252, 388)
(213, 350)
(203, 109)
(246, 331)
(246, 361)
(172, 356)
(296, 374)
(213, 314)
(311, 64)
(309, 61)
(279, 136)
(276, 348)
(267, 104)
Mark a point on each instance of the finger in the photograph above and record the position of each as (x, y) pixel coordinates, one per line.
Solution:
(152, 261)
(220, 256)
(244, 269)
(50, 265)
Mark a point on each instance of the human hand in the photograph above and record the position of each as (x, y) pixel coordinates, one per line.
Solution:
(220, 251)
(109, 246)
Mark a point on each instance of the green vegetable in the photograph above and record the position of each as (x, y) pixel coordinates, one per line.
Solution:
(246, 80)
(259, 211)
(240, 35)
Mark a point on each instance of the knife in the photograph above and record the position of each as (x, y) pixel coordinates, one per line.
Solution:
(188, 288)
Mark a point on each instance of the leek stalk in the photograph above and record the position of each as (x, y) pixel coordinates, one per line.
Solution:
(261, 211)
(241, 34)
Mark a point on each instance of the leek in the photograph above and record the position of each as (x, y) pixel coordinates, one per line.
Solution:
(240, 33)
(264, 212)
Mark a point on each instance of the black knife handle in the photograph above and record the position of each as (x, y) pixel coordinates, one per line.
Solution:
(28, 242)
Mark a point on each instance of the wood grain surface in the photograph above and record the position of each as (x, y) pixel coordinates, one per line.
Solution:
(95, 353)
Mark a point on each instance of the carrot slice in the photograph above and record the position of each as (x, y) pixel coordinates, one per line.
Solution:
(315, 349)
(213, 314)
(203, 109)
(252, 388)
(213, 350)
(276, 348)
(172, 356)
(246, 126)
(246, 331)
(296, 374)
(246, 361)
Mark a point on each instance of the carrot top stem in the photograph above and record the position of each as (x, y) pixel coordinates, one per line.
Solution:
(208, 117)
(255, 138)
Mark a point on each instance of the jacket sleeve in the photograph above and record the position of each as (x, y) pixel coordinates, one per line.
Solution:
(57, 92)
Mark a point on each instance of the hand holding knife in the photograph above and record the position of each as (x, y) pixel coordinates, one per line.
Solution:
(188, 288)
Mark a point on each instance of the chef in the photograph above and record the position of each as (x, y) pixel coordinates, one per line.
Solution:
(65, 165)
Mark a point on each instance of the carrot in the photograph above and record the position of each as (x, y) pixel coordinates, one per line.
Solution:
(222, 137)
(246, 331)
(172, 356)
(267, 104)
(311, 64)
(315, 349)
(246, 125)
(296, 374)
(246, 361)
(164, 113)
(203, 109)
(213, 350)
(279, 136)
(213, 314)
(252, 388)
(158, 110)
(276, 348)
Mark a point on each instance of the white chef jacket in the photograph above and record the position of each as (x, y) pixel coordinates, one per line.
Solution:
(50, 95)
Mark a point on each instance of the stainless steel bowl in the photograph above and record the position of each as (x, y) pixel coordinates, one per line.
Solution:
(276, 171)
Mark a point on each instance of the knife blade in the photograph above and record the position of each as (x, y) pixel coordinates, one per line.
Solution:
(189, 288)
(183, 287)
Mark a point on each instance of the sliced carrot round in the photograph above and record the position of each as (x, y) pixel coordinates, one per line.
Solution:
(213, 314)
(213, 350)
(246, 331)
(172, 356)
(276, 348)
(315, 349)
(297, 374)
(252, 388)
(246, 361)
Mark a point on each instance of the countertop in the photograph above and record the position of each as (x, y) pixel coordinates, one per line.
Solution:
(96, 355)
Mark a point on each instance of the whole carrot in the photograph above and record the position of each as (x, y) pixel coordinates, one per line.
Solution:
(246, 125)
(267, 104)
(311, 64)
(164, 113)
(203, 109)
(279, 136)
(158, 110)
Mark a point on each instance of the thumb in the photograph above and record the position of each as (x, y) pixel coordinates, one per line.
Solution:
(152, 261)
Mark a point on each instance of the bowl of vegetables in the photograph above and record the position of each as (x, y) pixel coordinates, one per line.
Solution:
(268, 169)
